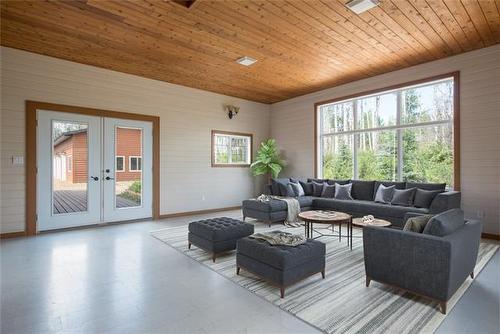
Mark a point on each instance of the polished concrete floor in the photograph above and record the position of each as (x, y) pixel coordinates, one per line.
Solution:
(119, 279)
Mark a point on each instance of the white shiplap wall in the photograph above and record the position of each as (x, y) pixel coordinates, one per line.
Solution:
(292, 124)
(186, 118)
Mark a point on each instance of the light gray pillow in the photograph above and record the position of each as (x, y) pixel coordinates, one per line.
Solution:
(384, 194)
(297, 188)
(343, 191)
(403, 197)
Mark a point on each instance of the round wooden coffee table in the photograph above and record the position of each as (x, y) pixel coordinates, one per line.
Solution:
(326, 217)
(376, 222)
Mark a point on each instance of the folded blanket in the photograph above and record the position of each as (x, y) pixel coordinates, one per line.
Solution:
(293, 208)
(276, 238)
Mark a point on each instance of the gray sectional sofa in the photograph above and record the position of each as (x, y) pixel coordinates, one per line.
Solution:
(363, 194)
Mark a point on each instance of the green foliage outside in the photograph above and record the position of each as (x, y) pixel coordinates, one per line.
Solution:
(427, 151)
(268, 160)
(135, 187)
(133, 192)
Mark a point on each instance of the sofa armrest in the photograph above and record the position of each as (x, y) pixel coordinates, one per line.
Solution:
(445, 201)
(464, 250)
(413, 261)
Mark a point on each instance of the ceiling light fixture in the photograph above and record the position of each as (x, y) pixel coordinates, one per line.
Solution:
(360, 6)
(246, 61)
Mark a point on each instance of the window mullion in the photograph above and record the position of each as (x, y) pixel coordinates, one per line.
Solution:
(355, 141)
(230, 153)
(399, 132)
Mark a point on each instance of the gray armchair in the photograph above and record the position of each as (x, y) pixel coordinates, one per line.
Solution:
(424, 264)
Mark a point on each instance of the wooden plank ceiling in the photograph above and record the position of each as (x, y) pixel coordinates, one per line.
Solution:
(301, 46)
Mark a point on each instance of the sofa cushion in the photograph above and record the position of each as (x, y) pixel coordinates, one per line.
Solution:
(308, 188)
(403, 197)
(424, 198)
(384, 194)
(275, 185)
(219, 229)
(281, 257)
(417, 224)
(398, 185)
(297, 188)
(328, 191)
(317, 188)
(286, 190)
(343, 191)
(362, 189)
(332, 182)
(361, 208)
(426, 186)
(445, 223)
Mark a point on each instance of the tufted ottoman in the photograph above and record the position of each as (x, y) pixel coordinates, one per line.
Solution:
(280, 265)
(217, 235)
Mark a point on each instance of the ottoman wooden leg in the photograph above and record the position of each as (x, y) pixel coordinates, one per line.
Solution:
(443, 307)
(323, 273)
(237, 270)
(472, 275)
(282, 292)
(368, 279)
(213, 257)
(189, 245)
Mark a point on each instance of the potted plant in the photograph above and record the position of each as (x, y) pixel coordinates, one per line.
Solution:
(268, 160)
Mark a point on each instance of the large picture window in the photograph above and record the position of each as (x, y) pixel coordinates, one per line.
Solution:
(231, 149)
(398, 134)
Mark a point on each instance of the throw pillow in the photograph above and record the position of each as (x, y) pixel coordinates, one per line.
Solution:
(308, 188)
(286, 190)
(417, 224)
(445, 223)
(403, 197)
(328, 191)
(275, 187)
(343, 191)
(424, 198)
(384, 194)
(317, 189)
(297, 188)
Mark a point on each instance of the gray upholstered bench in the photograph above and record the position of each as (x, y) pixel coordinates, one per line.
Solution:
(218, 235)
(280, 265)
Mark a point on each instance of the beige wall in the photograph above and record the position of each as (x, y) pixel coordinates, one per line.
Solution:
(292, 125)
(186, 118)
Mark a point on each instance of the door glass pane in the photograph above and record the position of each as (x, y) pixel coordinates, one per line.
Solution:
(337, 156)
(377, 155)
(428, 154)
(128, 168)
(69, 167)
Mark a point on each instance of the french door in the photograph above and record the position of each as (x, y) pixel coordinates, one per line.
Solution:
(92, 169)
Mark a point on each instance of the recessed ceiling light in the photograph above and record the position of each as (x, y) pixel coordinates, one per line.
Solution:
(246, 61)
(360, 6)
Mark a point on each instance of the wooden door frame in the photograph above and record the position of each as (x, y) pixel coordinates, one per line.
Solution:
(31, 152)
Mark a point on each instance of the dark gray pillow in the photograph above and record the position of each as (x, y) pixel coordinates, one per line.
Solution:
(362, 189)
(417, 224)
(328, 191)
(308, 188)
(426, 186)
(384, 194)
(317, 189)
(403, 197)
(343, 191)
(445, 223)
(286, 190)
(424, 198)
(332, 182)
(297, 189)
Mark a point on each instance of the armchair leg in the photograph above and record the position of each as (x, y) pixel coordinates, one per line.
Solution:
(323, 273)
(244, 218)
(368, 280)
(443, 307)
(282, 292)
(472, 275)
(189, 245)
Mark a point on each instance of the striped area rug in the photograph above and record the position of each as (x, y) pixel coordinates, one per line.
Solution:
(340, 303)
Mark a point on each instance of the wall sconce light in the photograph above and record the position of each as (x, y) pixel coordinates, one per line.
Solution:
(232, 111)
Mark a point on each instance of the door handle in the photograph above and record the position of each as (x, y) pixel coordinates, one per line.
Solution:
(95, 178)
(109, 178)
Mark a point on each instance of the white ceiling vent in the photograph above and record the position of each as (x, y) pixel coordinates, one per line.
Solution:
(360, 6)
(246, 61)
